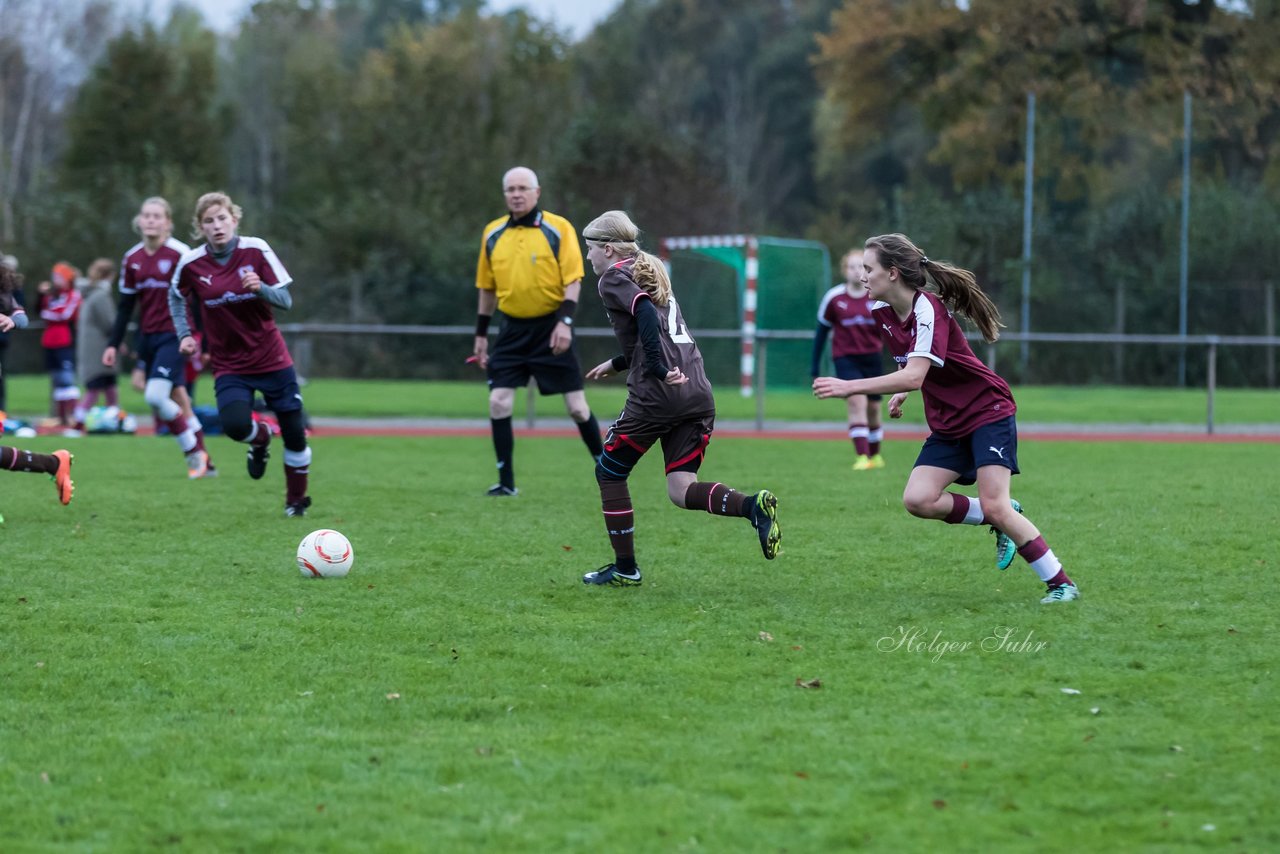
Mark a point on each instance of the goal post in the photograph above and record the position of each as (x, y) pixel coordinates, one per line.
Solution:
(764, 283)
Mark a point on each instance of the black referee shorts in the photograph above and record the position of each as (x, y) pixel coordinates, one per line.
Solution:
(523, 350)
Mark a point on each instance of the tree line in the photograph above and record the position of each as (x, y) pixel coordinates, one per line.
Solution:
(366, 139)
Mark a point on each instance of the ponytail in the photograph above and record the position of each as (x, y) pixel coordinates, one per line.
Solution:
(957, 287)
(616, 229)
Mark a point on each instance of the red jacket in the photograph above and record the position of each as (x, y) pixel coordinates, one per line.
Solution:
(58, 310)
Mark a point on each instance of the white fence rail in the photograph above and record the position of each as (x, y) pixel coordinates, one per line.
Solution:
(301, 333)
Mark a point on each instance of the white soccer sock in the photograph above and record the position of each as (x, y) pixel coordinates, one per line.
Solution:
(973, 516)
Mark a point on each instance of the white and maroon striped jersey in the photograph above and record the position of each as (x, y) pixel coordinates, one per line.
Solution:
(960, 393)
(854, 331)
(239, 328)
(148, 276)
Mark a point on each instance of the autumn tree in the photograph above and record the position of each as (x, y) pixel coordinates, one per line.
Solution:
(924, 110)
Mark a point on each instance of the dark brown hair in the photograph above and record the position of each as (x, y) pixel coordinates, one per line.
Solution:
(957, 287)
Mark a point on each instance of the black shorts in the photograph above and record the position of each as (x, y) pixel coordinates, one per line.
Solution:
(684, 444)
(523, 350)
(994, 444)
(101, 382)
(860, 366)
(159, 352)
(278, 388)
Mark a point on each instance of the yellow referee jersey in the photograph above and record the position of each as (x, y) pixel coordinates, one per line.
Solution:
(529, 262)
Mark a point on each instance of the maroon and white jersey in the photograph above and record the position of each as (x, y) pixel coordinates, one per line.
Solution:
(960, 392)
(239, 329)
(854, 330)
(58, 310)
(148, 275)
(648, 397)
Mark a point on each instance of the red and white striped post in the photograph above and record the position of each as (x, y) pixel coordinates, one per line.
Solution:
(751, 276)
(749, 293)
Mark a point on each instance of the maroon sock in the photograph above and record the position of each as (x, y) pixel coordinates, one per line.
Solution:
(860, 445)
(261, 434)
(959, 507)
(113, 396)
(717, 499)
(1060, 579)
(177, 425)
(1033, 550)
(12, 459)
(619, 521)
(295, 483)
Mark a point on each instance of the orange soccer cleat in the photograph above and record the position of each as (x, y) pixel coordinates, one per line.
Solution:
(62, 478)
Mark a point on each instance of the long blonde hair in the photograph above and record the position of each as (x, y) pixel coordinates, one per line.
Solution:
(207, 201)
(957, 287)
(616, 229)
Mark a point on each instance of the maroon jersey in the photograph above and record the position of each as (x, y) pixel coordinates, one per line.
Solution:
(239, 328)
(148, 275)
(648, 397)
(960, 393)
(854, 331)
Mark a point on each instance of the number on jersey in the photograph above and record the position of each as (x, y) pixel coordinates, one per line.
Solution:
(678, 332)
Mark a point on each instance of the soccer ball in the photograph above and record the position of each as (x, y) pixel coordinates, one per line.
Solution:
(325, 554)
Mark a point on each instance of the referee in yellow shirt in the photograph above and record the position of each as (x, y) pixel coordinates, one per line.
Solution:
(530, 268)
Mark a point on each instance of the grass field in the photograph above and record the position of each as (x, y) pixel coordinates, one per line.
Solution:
(172, 682)
(29, 394)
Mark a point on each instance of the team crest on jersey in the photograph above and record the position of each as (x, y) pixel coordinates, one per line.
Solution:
(165, 265)
(244, 271)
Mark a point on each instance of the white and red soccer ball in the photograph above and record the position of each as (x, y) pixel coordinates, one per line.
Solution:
(325, 554)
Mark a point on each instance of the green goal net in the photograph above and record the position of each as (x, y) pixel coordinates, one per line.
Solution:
(755, 301)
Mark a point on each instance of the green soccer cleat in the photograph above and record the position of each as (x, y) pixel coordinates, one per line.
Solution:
(1061, 593)
(1006, 551)
(764, 518)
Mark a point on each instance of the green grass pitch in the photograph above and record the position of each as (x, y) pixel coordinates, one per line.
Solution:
(169, 680)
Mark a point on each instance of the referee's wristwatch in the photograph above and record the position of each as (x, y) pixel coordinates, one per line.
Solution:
(567, 321)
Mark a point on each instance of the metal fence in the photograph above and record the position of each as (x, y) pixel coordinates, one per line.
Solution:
(301, 336)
